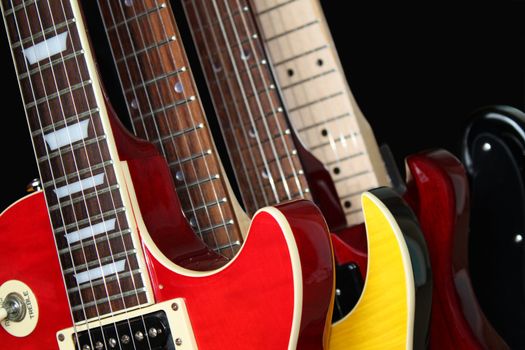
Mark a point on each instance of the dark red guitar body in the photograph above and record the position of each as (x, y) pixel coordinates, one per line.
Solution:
(438, 193)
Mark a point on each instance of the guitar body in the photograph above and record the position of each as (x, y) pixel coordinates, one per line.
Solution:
(275, 301)
(385, 314)
(493, 149)
(438, 193)
(285, 264)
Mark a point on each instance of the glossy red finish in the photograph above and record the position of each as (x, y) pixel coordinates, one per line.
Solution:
(438, 193)
(29, 255)
(346, 251)
(246, 305)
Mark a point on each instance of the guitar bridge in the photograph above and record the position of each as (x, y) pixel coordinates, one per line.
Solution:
(157, 327)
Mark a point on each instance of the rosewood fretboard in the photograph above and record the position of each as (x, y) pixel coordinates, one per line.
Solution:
(248, 106)
(165, 109)
(76, 157)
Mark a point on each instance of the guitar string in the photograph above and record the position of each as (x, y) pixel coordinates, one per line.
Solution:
(238, 78)
(117, 222)
(281, 133)
(254, 90)
(218, 104)
(18, 32)
(151, 107)
(127, 258)
(192, 118)
(285, 184)
(39, 118)
(190, 76)
(278, 44)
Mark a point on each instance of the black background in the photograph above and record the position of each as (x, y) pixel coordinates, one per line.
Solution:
(417, 72)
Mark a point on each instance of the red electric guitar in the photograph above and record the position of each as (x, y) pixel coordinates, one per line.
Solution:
(104, 258)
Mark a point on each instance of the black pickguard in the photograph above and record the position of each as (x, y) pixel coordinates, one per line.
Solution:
(494, 155)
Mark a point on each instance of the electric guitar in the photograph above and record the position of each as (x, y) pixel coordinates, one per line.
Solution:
(330, 123)
(271, 166)
(492, 149)
(162, 72)
(133, 273)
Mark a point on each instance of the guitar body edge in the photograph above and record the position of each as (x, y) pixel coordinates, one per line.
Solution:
(438, 192)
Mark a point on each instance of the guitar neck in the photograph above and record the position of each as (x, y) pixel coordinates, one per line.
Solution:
(247, 103)
(321, 106)
(163, 103)
(99, 254)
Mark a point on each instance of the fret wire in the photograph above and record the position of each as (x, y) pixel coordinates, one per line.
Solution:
(19, 7)
(114, 297)
(275, 116)
(77, 200)
(98, 200)
(134, 284)
(95, 241)
(70, 149)
(54, 62)
(274, 7)
(120, 275)
(111, 258)
(156, 79)
(78, 173)
(147, 48)
(58, 94)
(266, 128)
(137, 16)
(68, 80)
(303, 54)
(38, 35)
(308, 79)
(200, 145)
(38, 114)
(301, 27)
(155, 84)
(82, 116)
(280, 17)
(237, 113)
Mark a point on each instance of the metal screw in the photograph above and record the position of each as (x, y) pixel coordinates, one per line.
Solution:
(518, 238)
(152, 332)
(86, 347)
(175, 306)
(112, 342)
(99, 345)
(139, 336)
(61, 337)
(486, 147)
(338, 292)
(178, 341)
(125, 339)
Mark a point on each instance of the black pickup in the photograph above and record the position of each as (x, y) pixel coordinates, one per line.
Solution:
(149, 331)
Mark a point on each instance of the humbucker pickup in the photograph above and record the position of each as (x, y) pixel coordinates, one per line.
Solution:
(146, 332)
(164, 326)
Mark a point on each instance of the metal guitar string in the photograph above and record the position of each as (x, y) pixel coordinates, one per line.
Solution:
(223, 104)
(281, 133)
(198, 138)
(258, 101)
(14, 13)
(190, 112)
(133, 88)
(117, 222)
(96, 194)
